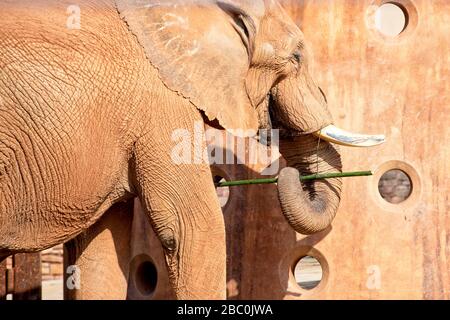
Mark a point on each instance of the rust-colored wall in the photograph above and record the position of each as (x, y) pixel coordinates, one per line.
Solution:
(397, 86)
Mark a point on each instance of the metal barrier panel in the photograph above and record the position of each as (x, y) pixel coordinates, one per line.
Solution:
(23, 279)
(3, 280)
(27, 276)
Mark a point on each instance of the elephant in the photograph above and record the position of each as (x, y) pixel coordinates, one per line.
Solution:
(91, 94)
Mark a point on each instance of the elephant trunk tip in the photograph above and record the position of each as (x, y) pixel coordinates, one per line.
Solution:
(310, 207)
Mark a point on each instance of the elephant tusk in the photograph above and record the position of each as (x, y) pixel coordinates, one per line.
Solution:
(335, 135)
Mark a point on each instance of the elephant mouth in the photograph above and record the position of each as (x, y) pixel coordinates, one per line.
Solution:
(330, 133)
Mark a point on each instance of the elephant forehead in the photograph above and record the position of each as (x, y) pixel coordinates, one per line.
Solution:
(268, 49)
(255, 8)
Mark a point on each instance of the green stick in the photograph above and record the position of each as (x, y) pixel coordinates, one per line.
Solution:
(302, 178)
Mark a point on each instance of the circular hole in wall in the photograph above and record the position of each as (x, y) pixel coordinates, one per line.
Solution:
(146, 278)
(391, 19)
(223, 193)
(308, 272)
(395, 186)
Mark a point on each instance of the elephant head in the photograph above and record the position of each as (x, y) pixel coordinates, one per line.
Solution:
(234, 60)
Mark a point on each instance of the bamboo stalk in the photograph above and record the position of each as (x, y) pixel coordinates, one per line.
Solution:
(302, 178)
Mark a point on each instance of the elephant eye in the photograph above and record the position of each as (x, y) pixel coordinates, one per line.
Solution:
(297, 56)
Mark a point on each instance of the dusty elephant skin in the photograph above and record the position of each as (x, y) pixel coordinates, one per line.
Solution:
(87, 115)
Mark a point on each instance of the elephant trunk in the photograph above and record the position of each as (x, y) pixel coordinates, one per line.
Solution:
(309, 207)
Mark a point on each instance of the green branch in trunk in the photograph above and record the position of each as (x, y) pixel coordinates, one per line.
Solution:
(302, 178)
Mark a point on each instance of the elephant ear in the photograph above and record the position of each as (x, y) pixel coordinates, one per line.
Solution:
(201, 50)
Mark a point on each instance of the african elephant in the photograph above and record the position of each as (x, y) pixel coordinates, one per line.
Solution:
(88, 110)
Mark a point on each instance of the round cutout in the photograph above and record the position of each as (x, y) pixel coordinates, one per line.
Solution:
(391, 19)
(223, 193)
(395, 186)
(146, 278)
(308, 272)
